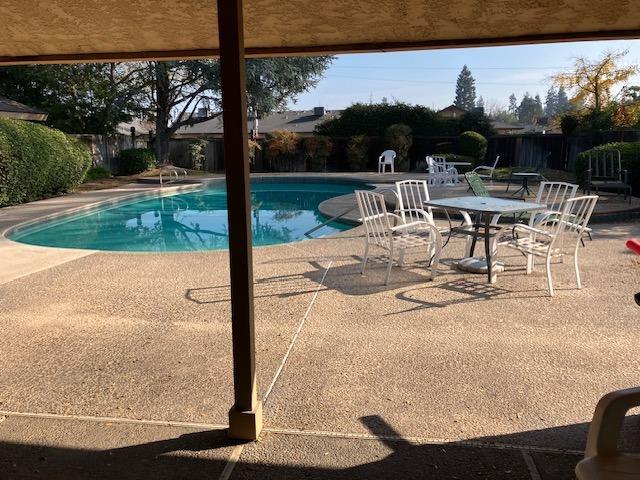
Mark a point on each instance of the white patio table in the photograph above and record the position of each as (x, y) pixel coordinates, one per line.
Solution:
(484, 209)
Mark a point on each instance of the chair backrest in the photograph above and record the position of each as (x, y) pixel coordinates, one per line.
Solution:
(495, 164)
(575, 217)
(387, 156)
(605, 164)
(476, 185)
(554, 194)
(434, 166)
(374, 215)
(439, 158)
(411, 197)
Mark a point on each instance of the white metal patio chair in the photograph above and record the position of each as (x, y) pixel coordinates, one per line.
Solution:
(485, 172)
(387, 231)
(411, 195)
(553, 195)
(555, 237)
(387, 157)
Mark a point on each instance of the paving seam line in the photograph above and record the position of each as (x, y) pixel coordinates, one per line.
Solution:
(237, 451)
(421, 440)
(131, 421)
(48, 267)
(232, 462)
(531, 466)
(296, 334)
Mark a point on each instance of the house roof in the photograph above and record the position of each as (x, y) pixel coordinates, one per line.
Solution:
(506, 126)
(298, 121)
(452, 109)
(70, 30)
(12, 109)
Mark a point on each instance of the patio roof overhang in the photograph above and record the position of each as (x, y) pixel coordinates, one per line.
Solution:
(60, 31)
(102, 30)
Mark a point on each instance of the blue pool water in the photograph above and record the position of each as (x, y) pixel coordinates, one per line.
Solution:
(281, 213)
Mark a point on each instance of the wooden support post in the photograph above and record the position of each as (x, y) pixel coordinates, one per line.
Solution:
(245, 417)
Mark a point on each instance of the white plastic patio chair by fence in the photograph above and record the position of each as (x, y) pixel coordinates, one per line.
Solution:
(485, 171)
(555, 237)
(387, 157)
(452, 172)
(387, 231)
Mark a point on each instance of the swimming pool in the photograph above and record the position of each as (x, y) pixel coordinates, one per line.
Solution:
(197, 220)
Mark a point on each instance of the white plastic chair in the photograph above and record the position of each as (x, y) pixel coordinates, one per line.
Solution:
(602, 459)
(485, 171)
(553, 238)
(411, 195)
(453, 176)
(382, 232)
(553, 195)
(436, 172)
(386, 158)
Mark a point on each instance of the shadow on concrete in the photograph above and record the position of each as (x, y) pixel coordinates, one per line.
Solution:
(285, 456)
(144, 461)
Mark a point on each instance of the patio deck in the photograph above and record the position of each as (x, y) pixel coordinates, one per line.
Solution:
(119, 365)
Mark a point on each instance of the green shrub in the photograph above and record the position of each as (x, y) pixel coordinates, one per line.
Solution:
(357, 150)
(97, 172)
(569, 123)
(629, 156)
(282, 147)
(38, 162)
(472, 144)
(399, 139)
(136, 160)
(317, 150)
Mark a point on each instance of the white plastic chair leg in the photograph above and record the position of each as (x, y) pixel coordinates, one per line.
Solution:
(389, 265)
(469, 240)
(366, 255)
(530, 261)
(549, 280)
(575, 265)
(435, 262)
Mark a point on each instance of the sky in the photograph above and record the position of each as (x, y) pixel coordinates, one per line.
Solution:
(429, 77)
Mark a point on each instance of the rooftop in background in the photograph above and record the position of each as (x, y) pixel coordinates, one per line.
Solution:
(451, 111)
(302, 122)
(12, 109)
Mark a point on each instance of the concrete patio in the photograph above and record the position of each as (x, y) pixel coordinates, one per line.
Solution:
(119, 365)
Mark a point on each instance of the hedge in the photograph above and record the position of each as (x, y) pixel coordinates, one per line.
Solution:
(38, 162)
(630, 159)
(136, 160)
(472, 144)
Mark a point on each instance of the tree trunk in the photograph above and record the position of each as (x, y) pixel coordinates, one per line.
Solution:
(163, 113)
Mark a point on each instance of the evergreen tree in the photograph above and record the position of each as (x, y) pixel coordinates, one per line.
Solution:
(562, 101)
(530, 108)
(480, 103)
(465, 90)
(538, 111)
(551, 103)
(513, 105)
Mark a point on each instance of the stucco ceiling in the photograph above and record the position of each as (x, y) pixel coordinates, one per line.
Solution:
(109, 29)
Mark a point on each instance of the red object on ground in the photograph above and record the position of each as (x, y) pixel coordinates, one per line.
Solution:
(634, 244)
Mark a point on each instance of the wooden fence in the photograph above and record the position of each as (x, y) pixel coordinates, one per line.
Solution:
(514, 151)
(105, 149)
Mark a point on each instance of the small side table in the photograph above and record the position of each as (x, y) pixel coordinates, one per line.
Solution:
(525, 177)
